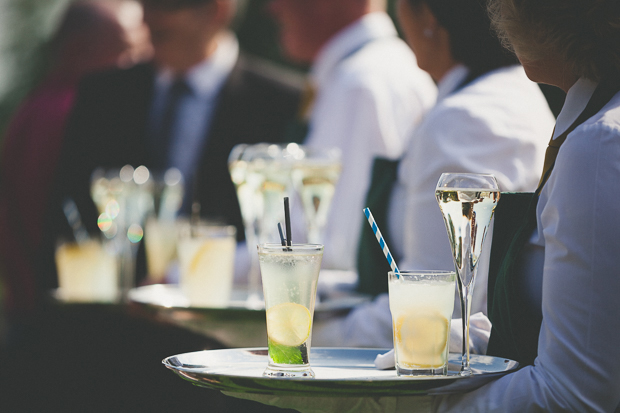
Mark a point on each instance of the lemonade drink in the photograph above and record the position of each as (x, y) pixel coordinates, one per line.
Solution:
(290, 276)
(206, 259)
(421, 304)
(160, 242)
(88, 271)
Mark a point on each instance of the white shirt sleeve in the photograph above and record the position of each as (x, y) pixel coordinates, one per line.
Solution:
(365, 120)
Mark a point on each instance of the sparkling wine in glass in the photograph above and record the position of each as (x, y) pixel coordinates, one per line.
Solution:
(251, 208)
(467, 202)
(269, 175)
(315, 176)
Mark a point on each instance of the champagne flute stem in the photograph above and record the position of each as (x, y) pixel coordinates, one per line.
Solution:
(465, 295)
(254, 298)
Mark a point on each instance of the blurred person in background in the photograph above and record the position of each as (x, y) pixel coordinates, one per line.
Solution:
(186, 108)
(366, 96)
(91, 36)
(489, 118)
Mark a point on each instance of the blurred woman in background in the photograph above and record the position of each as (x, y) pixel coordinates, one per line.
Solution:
(489, 118)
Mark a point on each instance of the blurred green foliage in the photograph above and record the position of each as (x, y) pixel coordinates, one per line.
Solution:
(25, 27)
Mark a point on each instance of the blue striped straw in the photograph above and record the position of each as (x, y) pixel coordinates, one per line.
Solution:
(384, 247)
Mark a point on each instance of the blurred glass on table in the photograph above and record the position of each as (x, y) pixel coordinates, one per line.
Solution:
(264, 174)
(124, 198)
(160, 232)
(88, 271)
(262, 177)
(206, 255)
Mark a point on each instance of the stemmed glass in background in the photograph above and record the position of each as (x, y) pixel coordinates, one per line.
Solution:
(467, 202)
(250, 205)
(262, 177)
(264, 174)
(124, 197)
(315, 175)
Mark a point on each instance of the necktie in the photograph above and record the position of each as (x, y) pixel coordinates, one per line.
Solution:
(603, 94)
(550, 154)
(307, 101)
(164, 136)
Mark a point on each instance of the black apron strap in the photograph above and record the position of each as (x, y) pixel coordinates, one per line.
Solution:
(372, 266)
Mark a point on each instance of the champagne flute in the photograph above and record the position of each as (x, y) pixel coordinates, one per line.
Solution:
(246, 196)
(315, 176)
(467, 202)
(268, 173)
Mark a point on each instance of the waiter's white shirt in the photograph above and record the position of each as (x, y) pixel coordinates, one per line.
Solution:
(370, 95)
(578, 364)
(500, 124)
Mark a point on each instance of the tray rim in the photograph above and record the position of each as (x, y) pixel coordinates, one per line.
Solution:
(377, 386)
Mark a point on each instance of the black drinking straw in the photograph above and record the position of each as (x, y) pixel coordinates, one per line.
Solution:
(287, 222)
(282, 239)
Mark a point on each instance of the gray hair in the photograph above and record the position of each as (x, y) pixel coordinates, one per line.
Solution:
(583, 34)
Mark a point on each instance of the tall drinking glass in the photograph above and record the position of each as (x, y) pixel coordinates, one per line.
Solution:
(421, 303)
(467, 202)
(290, 277)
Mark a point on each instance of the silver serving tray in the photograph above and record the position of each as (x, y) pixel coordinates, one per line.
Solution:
(339, 372)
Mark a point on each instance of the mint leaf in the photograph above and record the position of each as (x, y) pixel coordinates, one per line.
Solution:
(282, 354)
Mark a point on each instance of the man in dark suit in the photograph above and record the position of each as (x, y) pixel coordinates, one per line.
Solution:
(118, 119)
(228, 99)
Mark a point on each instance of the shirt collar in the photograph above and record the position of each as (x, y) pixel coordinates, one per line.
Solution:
(451, 81)
(576, 100)
(369, 27)
(209, 75)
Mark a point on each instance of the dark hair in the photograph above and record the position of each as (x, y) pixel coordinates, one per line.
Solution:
(80, 18)
(472, 41)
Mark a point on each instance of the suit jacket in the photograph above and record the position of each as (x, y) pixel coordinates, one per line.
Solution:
(108, 128)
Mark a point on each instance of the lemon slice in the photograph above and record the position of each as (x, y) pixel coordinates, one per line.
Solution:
(289, 324)
(421, 339)
(200, 254)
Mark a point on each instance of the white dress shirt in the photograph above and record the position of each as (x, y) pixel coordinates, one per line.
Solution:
(578, 364)
(500, 124)
(195, 110)
(371, 94)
